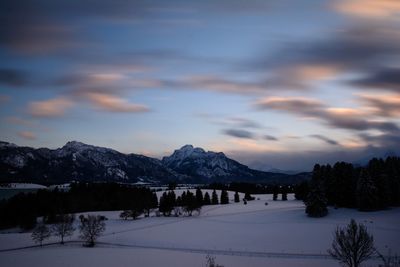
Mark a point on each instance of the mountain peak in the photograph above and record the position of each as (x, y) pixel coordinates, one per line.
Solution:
(76, 145)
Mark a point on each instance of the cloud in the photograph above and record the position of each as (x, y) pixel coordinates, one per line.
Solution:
(218, 84)
(18, 121)
(13, 77)
(50, 108)
(385, 9)
(113, 103)
(345, 118)
(383, 79)
(301, 105)
(270, 137)
(325, 139)
(384, 105)
(239, 133)
(27, 135)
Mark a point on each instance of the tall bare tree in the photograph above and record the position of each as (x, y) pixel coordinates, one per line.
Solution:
(40, 233)
(352, 245)
(64, 227)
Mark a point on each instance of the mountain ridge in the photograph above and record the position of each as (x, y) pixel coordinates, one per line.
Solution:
(82, 162)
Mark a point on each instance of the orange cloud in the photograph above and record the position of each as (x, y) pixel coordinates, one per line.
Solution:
(55, 107)
(384, 105)
(370, 8)
(27, 135)
(113, 103)
(315, 72)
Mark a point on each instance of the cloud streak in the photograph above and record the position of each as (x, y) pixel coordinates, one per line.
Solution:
(238, 133)
(111, 103)
(50, 108)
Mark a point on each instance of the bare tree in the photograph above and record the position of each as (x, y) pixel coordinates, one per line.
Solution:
(352, 245)
(211, 262)
(91, 228)
(65, 226)
(40, 233)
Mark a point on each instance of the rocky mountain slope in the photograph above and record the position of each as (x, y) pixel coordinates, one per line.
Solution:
(82, 162)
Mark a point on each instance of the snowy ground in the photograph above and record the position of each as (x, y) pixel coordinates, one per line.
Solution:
(278, 234)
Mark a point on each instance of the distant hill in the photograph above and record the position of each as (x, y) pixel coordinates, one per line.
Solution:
(81, 162)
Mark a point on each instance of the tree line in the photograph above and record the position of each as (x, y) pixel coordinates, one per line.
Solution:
(375, 186)
(23, 209)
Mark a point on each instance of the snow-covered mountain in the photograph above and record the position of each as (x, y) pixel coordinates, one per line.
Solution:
(215, 166)
(197, 162)
(81, 162)
(78, 161)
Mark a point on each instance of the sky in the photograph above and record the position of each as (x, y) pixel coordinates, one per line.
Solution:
(273, 84)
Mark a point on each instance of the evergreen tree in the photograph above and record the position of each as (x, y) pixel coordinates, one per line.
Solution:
(214, 199)
(165, 205)
(191, 204)
(367, 192)
(316, 203)
(248, 197)
(301, 190)
(237, 198)
(224, 197)
(207, 200)
(284, 193)
(199, 196)
(275, 191)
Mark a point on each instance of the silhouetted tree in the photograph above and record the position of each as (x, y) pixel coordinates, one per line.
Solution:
(224, 197)
(316, 204)
(64, 226)
(284, 193)
(352, 245)
(248, 197)
(199, 196)
(91, 227)
(237, 198)
(207, 200)
(367, 192)
(40, 233)
(214, 199)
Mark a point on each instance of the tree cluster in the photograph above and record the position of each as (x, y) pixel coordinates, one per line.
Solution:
(375, 186)
(23, 209)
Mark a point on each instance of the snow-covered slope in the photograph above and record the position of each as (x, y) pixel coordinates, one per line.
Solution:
(82, 162)
(195, 161)
(78, 161)
(278, 234)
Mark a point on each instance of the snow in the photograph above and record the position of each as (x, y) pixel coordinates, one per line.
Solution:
(23, 186)
(255, 233)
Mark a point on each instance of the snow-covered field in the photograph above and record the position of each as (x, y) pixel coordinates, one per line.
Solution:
(277, 234)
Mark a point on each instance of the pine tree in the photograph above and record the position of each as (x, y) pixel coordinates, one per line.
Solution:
(284, 193)
(237, 198)
(224, 197)
(316, 203)
(214, 199)
(207, 200)
(275, 192)
(367, 193)
(199, 196)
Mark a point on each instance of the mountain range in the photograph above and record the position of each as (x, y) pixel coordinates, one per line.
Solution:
(76, 161)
